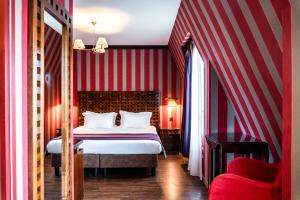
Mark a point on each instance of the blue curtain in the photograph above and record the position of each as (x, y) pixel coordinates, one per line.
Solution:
(186, 115)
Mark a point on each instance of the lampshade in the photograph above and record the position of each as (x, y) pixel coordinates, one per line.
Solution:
(78, 44)
(101, 43)
(99, 50)
(171, 102)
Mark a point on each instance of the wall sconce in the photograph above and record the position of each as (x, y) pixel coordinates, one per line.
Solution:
(171, 104)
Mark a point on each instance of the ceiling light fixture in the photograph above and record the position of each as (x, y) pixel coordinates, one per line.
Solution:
(100, 46)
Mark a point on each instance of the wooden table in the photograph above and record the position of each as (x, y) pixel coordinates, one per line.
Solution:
(222, 143)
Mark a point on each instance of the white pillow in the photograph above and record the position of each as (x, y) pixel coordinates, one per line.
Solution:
(94, 120)
(135, 120)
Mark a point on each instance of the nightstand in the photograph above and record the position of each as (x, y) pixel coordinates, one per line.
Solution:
(170, 138)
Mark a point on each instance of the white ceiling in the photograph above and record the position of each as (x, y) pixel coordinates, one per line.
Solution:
(125, 22)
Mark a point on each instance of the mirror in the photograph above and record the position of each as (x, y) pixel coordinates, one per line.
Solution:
(52, 102)
(49, 98)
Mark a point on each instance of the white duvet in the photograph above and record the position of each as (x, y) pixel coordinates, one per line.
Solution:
(112, 146)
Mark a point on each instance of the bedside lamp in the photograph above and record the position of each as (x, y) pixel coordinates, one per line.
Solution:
(171, 104)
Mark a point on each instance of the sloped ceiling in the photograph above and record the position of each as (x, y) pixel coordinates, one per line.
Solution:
(243, 42)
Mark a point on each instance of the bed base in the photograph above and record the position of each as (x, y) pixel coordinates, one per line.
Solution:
(112, 161)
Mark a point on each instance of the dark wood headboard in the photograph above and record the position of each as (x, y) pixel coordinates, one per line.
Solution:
(114, 101)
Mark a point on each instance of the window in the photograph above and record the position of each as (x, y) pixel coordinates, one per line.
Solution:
(197, 114)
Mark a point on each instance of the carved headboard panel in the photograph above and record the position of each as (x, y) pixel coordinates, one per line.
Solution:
(114, 101)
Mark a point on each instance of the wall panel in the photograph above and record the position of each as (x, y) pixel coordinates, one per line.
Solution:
(129, 70)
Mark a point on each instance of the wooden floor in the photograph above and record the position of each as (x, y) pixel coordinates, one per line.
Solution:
(171, 182)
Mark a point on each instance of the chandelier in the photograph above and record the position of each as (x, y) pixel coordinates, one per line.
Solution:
(100, 46)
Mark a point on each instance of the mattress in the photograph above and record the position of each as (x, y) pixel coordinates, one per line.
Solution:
(112, 146)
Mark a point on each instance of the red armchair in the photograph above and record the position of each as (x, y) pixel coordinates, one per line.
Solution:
(247, 179)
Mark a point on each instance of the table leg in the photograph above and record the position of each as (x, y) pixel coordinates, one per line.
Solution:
(265, 152)
(221, 160)
(210, 165)
(216, 162)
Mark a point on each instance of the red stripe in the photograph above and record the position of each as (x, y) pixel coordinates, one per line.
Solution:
(93, 72)
(128, 70)
(155, 69)
(101, 72)
(4, 112)
(24, 94)
(147, 70)
(287, 106)
(75, 89)
(120, 69)
(83, 71)
(174, 81)
(138, 69)
(110, 69)
(165, 88)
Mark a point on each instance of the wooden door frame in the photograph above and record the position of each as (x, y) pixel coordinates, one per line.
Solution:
(36, 96)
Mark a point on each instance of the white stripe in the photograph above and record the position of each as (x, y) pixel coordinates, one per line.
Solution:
(11, 93)
(253, 64)
(261, 44)
(106, 71)
(67, 6)
(124, 74)
(151, 70)
(273, 20)
(142, 70)
(115, 58)
(18, 99)
(88, 70)
(97, 58)
(133, 76)
(78, 70)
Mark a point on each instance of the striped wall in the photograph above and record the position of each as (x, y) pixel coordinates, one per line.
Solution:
(14, 170)
(243, 41)
(291, 99)
(129, 70)
(53, 45)
(222, 116)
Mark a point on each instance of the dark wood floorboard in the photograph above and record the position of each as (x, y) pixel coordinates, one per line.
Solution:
(171, 182)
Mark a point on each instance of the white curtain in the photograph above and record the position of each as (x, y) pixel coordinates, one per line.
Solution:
(197, 118)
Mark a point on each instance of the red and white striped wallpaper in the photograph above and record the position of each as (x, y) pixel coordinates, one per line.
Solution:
(129, 70)
(222, 116)
(53, 45)
(14, 157)
(243, 42)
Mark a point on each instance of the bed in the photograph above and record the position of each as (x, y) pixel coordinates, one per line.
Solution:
(102, 153)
